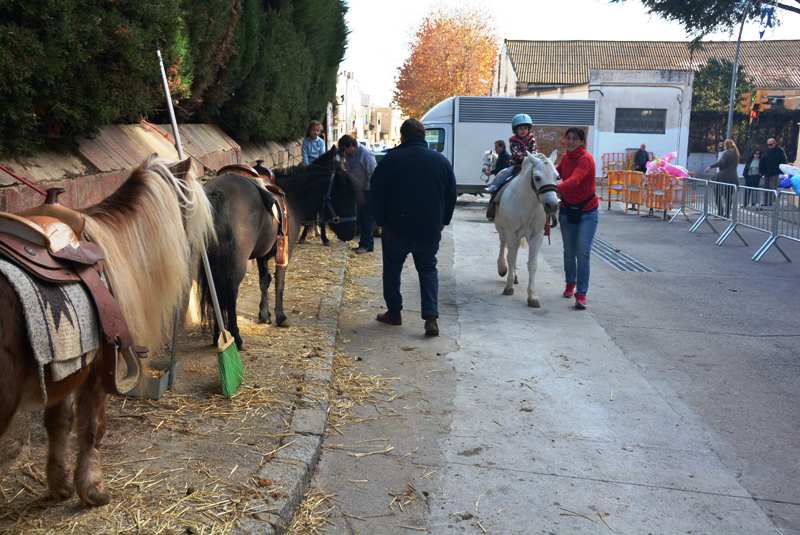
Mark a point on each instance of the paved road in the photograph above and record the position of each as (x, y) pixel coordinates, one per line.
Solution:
(671, 406)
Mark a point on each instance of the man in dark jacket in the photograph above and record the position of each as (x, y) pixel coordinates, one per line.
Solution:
(413, 196)
(769, 167)
(641, 158)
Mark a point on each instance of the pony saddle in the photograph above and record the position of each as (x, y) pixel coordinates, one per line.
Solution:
(49, 243)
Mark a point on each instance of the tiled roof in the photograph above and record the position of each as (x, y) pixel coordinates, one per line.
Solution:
(770, 64)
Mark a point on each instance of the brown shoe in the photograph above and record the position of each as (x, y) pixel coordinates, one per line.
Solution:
(431, 327)
(390, 318)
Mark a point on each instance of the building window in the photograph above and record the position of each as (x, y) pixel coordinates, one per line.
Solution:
(640, 121)
(434, 137)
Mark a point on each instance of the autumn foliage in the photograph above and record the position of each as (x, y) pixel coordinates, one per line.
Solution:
(452, 53)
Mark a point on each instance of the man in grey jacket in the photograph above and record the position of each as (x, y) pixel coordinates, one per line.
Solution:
(360, 163)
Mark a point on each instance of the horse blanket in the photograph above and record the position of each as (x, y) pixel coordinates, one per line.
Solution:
(61, 322)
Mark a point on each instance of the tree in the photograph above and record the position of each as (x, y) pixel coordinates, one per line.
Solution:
(452, 53)
(70, 66)
(701, 17)
(712, 85)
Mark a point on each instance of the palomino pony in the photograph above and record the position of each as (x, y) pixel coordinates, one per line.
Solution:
(247, 228)
(149, 231)
(525, 204)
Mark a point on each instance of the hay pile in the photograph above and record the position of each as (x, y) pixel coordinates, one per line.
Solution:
(184, 464)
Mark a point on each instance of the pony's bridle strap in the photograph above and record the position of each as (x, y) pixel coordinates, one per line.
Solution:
(327, 206)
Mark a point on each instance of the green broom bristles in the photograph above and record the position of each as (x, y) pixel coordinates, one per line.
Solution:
(231, 370)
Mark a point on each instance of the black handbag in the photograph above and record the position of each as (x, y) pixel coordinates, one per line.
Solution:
(575, 212)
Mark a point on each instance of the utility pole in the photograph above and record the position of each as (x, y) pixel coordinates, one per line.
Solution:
(735, 74)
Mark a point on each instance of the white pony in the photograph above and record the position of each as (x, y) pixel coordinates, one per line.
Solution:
(525, 204)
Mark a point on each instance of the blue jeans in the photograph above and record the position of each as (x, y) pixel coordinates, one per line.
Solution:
(366, 225)
(499, 179)
(577, 238)
(395, 250)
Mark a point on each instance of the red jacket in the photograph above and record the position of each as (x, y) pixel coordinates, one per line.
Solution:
(577, 179)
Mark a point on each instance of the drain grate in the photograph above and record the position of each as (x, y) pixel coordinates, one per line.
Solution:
(616, 258)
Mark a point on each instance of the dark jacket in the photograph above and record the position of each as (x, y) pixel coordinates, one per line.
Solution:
(640, 160)
(727, 164)
(503, 161)
(768, 166)
(413, 191)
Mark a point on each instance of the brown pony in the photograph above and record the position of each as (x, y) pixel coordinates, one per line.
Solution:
(149, 230)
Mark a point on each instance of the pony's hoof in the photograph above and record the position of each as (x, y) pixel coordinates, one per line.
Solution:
(94, 496)
(264, 318)
(326, 243)
(508, 291)
(282, 321)
(61, 491)
(534, 303)
(502, 272)
(516, 280)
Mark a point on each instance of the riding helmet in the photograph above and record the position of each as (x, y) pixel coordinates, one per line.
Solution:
(521, 119)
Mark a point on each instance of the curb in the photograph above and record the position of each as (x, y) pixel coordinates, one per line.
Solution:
(295, 461)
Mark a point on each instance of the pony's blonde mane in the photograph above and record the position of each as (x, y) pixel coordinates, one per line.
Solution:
(152, 230)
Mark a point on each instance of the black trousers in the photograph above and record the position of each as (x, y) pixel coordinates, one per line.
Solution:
(395, 250)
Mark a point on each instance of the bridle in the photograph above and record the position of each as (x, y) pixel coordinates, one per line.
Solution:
(539, 191)
(327, 205)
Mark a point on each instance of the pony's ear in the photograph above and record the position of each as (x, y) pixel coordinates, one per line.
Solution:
(185, 169)
(553, 156)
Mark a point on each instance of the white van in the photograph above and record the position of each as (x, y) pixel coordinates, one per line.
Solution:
(464, 128)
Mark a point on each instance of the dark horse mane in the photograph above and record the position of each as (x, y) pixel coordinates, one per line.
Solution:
(306, 184)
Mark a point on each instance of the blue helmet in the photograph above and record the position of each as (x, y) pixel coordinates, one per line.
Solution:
(521, 119)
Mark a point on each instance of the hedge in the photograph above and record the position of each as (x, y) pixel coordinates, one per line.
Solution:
(260, 69)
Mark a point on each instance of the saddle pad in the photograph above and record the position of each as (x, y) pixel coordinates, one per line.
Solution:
(61, 322)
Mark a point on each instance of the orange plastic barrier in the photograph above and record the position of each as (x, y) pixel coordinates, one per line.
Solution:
(615, 190)
(634, 190)
(658, 192)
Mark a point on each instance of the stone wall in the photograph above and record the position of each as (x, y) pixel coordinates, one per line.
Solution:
(97, 166)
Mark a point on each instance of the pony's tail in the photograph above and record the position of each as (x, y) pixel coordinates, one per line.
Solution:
(223, 281)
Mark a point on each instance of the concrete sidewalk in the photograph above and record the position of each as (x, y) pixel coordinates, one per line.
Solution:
(535, 422)
(564, 433)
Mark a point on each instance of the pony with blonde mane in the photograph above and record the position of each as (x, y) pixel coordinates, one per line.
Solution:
(151, 231)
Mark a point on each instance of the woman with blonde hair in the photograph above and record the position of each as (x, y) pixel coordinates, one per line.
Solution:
(727, 166)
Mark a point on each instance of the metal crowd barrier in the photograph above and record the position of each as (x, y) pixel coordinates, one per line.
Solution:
(775, 213)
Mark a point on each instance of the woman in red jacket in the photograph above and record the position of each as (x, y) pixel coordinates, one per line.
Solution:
(578, 214)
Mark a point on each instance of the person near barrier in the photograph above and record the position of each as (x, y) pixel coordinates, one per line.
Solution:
(521, 143)
(641, 158)
(727, 166)
(413, 196)
(752, 177)
(360, 164)
(578, 214)
(770, 167)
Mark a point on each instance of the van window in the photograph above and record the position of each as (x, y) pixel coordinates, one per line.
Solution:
(434, 137)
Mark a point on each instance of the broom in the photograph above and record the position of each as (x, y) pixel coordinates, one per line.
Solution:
(230, 366)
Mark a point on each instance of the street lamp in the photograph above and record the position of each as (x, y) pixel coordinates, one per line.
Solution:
(735, 74)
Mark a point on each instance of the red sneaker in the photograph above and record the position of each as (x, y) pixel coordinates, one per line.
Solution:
(569, 290)
(580, 301)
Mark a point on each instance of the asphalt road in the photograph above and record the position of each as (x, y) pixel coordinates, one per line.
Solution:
(670, 406)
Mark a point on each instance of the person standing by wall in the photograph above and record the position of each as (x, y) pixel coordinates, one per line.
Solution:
(727, 165)
(752, 176)
(313, 144)
(413, 197)
(578, 214)
(360, 163)
(770, 167)
(641, 158)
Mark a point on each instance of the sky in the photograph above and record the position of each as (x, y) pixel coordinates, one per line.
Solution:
(380, 30)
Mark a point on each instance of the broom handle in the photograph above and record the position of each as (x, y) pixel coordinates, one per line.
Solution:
(179, 147)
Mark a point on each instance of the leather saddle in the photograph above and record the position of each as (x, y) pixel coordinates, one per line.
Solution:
(267, 181)
(50, 244)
